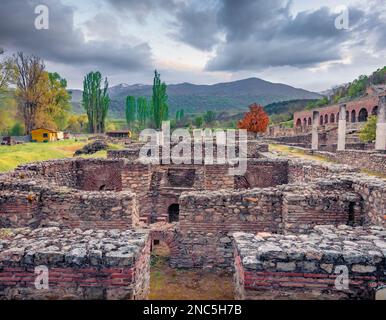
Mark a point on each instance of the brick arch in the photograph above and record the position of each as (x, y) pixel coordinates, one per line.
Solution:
(321, 120)
(298, 123)
(332, 118)
(353, 116)
(325, 118)
(167, 234)
(304, 122)
(363, 115)
(374, 111)
(309, 121)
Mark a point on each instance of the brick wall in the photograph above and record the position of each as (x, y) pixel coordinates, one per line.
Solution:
(302, 210)
(208, 218)
(77, 269)
(360, 159)
(67, 208)
(267, 267)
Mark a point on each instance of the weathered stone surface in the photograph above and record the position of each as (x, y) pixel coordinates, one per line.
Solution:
(258, 269)
(78, 264)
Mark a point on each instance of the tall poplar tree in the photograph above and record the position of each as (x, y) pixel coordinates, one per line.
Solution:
(96, 101)
(130, 110)
(160, 109)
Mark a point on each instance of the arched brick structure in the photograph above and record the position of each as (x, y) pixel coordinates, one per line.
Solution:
(363, 115)
(353, 116)
(167, 233)
(368, 104)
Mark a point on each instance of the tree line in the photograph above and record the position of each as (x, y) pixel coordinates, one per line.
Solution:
(42, 100)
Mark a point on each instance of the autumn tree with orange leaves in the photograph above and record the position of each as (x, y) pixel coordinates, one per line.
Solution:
(256, 120)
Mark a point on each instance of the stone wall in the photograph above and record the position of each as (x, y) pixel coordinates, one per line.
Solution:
(262, 173)
(84, 174)
(306, 266)
(99, 175)
(301, 171)
(361, 159)
(62, 172)
(331, 203)
(28, 205)
(90, 264)
(207, 220)
(373, 194)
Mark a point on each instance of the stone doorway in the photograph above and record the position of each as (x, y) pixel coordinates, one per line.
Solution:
(174, 212)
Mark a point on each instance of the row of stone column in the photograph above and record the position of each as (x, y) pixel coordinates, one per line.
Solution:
(380, 142)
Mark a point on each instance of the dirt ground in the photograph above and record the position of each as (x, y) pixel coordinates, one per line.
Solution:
(176, 284)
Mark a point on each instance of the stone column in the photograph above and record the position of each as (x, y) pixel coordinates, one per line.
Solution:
(315, 136)
(380, 142)
(342, 128)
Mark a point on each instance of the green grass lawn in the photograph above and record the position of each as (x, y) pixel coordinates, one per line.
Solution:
(12, 156)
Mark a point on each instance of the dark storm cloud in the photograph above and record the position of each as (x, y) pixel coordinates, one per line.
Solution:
(62, 42)
(261, 34)
(243, 17)
(196, 27)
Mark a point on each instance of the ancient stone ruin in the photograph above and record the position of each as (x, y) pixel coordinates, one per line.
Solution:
(283, 227)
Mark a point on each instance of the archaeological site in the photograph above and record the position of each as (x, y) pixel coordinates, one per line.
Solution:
(286, 229)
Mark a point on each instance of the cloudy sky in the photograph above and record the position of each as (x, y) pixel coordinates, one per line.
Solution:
(202, 41)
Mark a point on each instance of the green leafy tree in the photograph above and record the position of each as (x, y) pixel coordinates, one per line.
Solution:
(209, 117)
(160, 109)
(130, 110)
(180, 114)
(142, 110)
(358, 87)
(96, 101)
(198, 122)
(368, 132)
(17, 129)
(317, 104)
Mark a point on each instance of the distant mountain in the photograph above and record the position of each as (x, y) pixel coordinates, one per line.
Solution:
(229, 96)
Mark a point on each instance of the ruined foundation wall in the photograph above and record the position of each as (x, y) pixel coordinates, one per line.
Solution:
(263, 173)
(373, 194)
(36, 207)
(88, 265)
(99, 175)
(304, 209)
(84, 174)
(363, 160)
(63, 172)
(308, 171)
(304, 266)
(207, 220)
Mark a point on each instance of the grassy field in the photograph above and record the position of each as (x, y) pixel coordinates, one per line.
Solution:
(12, 156)
(298, 153)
